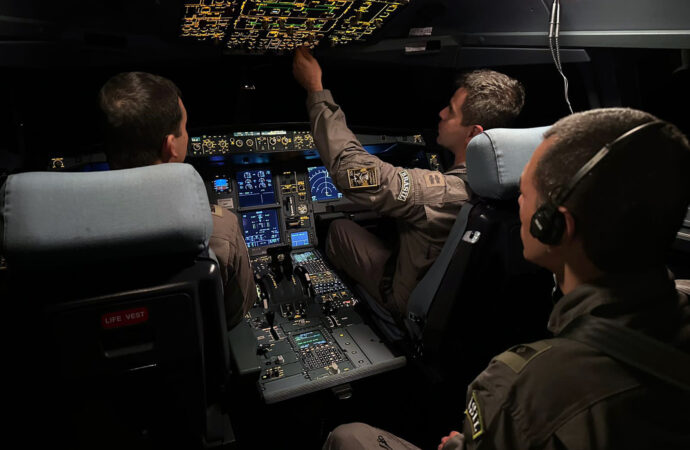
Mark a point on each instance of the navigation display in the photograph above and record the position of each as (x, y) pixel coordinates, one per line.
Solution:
(322, 187)
(309, 339)
(255, 188)
(261, 228)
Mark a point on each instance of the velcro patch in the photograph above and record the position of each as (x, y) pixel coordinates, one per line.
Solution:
(434, 179)
(474, 416)
(404, 185)
(519, 356)
(216, 210)
(363, 177)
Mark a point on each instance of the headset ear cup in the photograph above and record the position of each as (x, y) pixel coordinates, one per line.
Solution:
(547, 225)
(557, 228)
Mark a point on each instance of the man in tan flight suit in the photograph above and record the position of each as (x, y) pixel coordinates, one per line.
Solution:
(425, 202)
(608, 255)
(146, 123)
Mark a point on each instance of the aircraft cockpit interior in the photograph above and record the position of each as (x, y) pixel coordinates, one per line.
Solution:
(119, 283)
(305, 320)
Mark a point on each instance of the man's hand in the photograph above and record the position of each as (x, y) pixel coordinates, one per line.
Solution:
(458, 441)
(306, 70)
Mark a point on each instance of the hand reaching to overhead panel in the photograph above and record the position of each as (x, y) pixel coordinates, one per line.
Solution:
(307, 70)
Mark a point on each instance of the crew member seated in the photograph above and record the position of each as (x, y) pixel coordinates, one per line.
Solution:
(617, 373)
(424, 202)
(145, 124)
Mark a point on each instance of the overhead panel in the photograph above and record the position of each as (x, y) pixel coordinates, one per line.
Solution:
(265, 25)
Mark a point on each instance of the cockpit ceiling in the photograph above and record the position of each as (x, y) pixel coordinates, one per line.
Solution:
(262, 26)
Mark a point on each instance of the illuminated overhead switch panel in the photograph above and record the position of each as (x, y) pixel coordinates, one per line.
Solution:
(207, 19)
(263, 26)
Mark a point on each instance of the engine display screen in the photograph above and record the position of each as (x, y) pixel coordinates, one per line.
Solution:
(255, 188)
(299, 239)
(261, 228)
(309, 339)
(322, 187)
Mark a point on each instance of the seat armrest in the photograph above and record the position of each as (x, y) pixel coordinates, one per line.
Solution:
(243, 350)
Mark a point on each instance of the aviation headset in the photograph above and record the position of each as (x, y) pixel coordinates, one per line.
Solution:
(548, 223)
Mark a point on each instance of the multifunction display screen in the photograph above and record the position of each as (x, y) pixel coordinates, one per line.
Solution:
(255, 188)
(322, 187)
(299, 239)
(221, 185)
(261, 228)
(309, 339)
(302, 258)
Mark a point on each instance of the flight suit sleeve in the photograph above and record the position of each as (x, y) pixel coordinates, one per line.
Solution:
(367, 180)
(228, 244)
(490, 421)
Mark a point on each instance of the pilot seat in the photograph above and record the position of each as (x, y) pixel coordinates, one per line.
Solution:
(118, 331)
(480, 296)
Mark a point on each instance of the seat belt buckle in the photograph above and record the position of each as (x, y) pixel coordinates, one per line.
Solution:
(415, 318)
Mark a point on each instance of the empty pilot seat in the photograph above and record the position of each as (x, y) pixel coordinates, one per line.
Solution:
(119, 324)
(480, 296)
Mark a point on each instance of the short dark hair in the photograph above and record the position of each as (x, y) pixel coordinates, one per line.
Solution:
(140, 110)
(493, 99)
(629, 208)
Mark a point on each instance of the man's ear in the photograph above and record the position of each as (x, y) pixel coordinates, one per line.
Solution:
(569, 232)
(476, 129)
(168, 151)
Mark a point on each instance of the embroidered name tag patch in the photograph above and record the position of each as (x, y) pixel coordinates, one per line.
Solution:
(474, 416)
(363, 177)
(404, 185)
(434, 179)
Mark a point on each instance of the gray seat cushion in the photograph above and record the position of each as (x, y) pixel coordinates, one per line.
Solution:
(58, 219)
(496, 157)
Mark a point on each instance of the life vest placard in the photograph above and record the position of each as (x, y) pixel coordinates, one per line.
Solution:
(124, 318)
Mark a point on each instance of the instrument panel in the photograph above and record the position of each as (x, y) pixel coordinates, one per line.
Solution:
(274, 208)
(276, 201)
(276, 141)
(284, 25)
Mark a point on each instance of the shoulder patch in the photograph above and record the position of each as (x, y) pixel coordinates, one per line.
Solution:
(519, 356)
(216, 210)
(363, 177)
(404, 185)
(434, 179)
(474, 416)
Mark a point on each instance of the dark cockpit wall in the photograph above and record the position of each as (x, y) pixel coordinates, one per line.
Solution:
(55, 56)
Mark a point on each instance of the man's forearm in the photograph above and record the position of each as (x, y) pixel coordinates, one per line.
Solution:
(329, 127)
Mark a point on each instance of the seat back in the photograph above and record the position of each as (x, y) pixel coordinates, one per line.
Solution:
(484, 295)
(121, 324)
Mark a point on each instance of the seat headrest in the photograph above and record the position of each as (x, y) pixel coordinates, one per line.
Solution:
(60, 219)
(496, 157)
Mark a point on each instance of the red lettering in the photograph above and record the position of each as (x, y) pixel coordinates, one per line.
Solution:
(125, 318)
